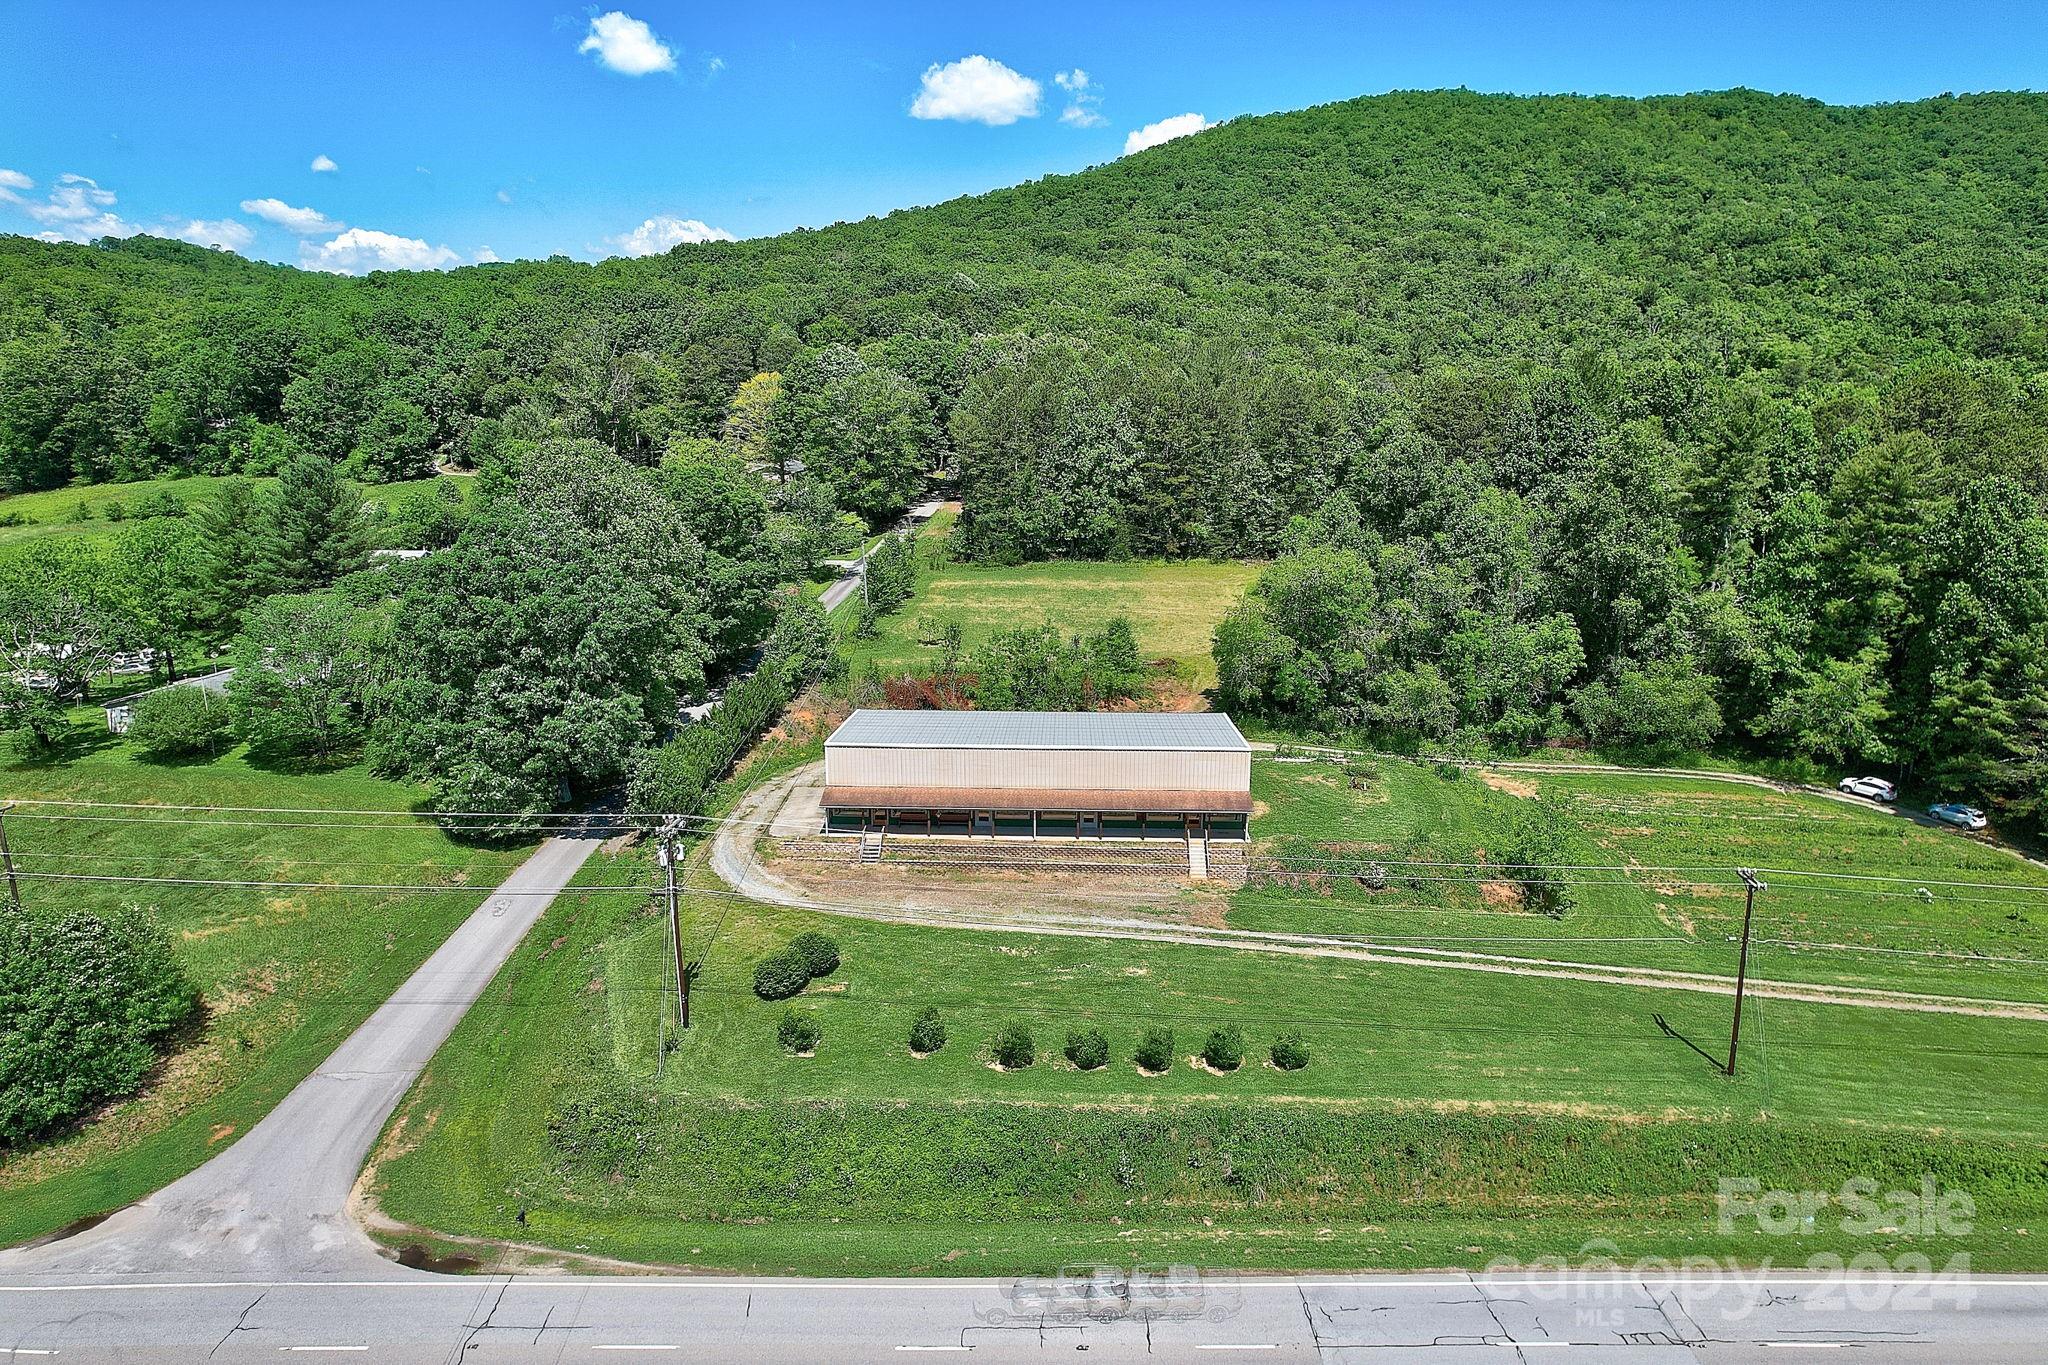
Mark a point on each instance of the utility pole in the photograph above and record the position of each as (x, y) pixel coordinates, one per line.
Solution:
(669, 859)
(1750, 886)
(7, 858)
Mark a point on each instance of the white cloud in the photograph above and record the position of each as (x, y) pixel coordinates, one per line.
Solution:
(1082, 99)
(658, 234)
(219, 232)
(504, 196)
(305, 222)
(714, 65)
(1166, 130)
(74, 199)
(483, 255)
(324, 162)
(361, 249)
(10, 182)
(975, 90)
(627, 45)
(78, 209)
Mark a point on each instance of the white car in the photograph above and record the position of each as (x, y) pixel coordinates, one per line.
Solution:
(1961, 816)
(1874, 788)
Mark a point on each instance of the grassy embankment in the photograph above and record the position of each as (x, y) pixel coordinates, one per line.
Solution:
(286, 974)
(1965, 941)
(82, 511)
(1447, 1117)
(1173, 605)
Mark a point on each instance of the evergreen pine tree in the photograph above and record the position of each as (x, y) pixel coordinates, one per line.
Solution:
(312, 529)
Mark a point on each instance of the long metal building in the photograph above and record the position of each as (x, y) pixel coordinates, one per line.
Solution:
(1039, 774)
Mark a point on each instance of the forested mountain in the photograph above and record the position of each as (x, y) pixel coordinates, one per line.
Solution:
(1653, 420)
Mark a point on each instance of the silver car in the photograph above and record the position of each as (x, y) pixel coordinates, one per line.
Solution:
(1961, 816)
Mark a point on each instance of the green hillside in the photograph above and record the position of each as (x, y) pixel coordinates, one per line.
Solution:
(1664, 423)
(1725, 235)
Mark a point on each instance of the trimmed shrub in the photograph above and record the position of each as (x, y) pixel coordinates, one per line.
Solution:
(1155, 1050)
(798, 1032)
(781, 976)
(87, 999)
(927, 1031)
(1223, 1050)
(1290, 1053)
(818, 953)
(1087, 1049)
(1014, 1047)
(181, 722)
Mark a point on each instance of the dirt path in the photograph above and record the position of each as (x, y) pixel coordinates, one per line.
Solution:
(787, 807)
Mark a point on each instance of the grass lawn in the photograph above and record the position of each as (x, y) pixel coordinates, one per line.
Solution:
(82, 511)
(1957, 941)
(1446, 1118)
(285, 974)
(1173, 606)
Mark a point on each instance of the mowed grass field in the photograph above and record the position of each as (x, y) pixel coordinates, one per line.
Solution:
(1173, 606)
(1855, 895)
(82, 511)
(1446, 1117)
(286, 973)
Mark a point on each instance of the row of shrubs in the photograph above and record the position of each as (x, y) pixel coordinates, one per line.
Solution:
(809, 956)
(1088, 1049)
(1014, 1047)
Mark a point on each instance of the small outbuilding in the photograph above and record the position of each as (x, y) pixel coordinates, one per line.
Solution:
(1039, 775)
(121, 713)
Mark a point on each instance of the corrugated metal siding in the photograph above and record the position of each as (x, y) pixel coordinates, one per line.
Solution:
(1127, 770)
(1119, 730)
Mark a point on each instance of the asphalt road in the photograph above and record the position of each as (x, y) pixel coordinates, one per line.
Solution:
(254, 1256)
(275, 1204)
(1445, 1318)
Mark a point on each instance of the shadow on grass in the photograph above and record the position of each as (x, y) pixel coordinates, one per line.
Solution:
(79, 742)
(285, 763)
(199, 760)
(1664, 1027)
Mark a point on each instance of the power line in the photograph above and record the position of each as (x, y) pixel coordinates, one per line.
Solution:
(423, 820)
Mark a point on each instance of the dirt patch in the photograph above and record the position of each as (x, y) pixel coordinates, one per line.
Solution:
(1198, 1064)
(1501, 782)
(219, 1133)
(1501, 895)
(810, 715)
(1676, 919)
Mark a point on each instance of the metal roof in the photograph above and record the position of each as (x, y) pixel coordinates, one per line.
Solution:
(1202, 730)
(1163, 802)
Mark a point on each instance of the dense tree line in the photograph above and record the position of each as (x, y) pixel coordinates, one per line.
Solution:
(1666, 421)
(535, 657)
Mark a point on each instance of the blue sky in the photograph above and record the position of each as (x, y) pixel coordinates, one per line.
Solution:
(458, 131)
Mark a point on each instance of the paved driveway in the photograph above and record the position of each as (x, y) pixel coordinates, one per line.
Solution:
(276, 1203)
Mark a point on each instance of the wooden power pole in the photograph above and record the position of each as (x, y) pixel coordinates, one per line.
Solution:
(1750, 886)
(7, 858)
(669, 859)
